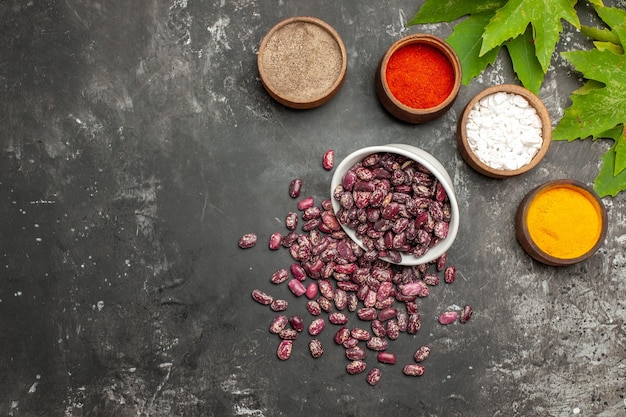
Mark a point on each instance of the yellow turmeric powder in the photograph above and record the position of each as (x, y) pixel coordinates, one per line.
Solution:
(564, 221)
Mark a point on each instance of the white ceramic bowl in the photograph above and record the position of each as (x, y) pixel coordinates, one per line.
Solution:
(428, 161)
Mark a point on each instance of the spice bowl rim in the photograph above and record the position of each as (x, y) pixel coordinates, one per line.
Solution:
(523, 234)
(396, 107)
(428, 161)
(546, 131)
(323, 97)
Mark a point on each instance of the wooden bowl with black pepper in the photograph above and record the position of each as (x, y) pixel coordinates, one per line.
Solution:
(418, 78)
(302, 62)
(504, 131)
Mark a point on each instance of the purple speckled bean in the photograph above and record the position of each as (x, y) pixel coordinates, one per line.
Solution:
(296, 287)
(296, 323)
(247, 241)
(284, 350)
(413, 369)
(276, 240)
(356, 367)
(262, 297)
(466, 313)
(295, 187)
(317, 326)
(422, 353)
(448, 317)
(316, 348)
(373, 376)
(278, 323)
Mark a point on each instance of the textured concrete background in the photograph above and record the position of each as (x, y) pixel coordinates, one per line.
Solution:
(137, 145)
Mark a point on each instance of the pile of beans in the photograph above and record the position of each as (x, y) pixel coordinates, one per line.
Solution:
(338, 280)
(394, 204)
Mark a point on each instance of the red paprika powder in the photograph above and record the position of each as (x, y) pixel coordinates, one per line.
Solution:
(419, 76)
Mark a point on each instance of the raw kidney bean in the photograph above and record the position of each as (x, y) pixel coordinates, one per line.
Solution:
(316, 348)
(431, 279)
(353, 302)
(414, 323)
(441, 262)
(296, 287)
(262, 297)
(377, 344)
(328, 161)
(342, 335)
(278, 323)
(448, 317)
(288, 334)
(466, 313)
(296, 323)
(279, 276)
(290, 238)
(291, 221)
(341, 299)
(330, 220)
(366, 313)
(279, 305)
(276, 240)
(422, 353)
(393, 329)
(418, 288)
(350, 343)
(403, 320)
(387, 313)
(360, 334)
(295, 187)
(311, 225)
(306, 203)
(373, 376)
(317, 326)
(411, 307)
(386, 357)
(313, 308)
(325, 304)
(247, 241)
(326, 289)
(337, 318)
(284, 349)
(311, 290)
(356, 353)
(413, 369)
(356, 367)
(449, 274)
(327, 204)
(312, 213)
(378, 328)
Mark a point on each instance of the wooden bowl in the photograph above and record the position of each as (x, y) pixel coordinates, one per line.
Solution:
(302, 62)
(401, 110)
(551, 243)
(473, 160)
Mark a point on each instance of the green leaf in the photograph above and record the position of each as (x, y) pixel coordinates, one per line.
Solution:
(545, 17)
(618, 135)
(525, 62)
(615, 19)
(434, 11)
(607, 183)
(466, 39)
(609, 46)
(597, 34)
(599, 109)
(587, 87)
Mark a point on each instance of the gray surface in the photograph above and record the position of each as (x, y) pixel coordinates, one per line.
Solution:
(138, 144)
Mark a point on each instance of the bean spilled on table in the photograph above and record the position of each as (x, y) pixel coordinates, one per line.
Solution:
(396, 206)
